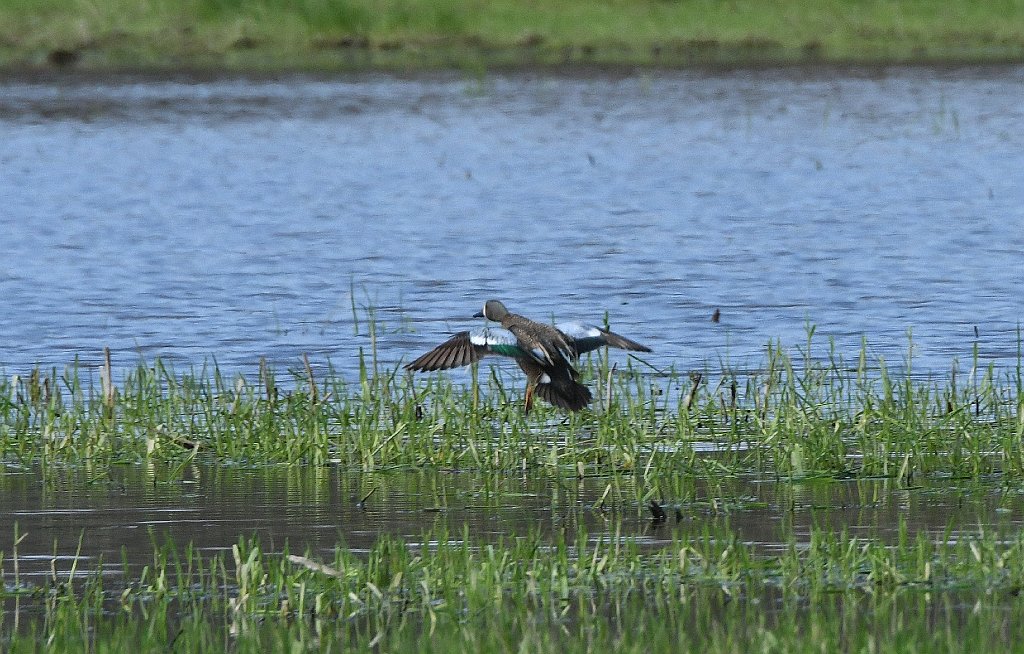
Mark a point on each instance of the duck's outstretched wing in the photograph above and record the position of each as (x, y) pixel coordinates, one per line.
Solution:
(465, 348)
(587, 338)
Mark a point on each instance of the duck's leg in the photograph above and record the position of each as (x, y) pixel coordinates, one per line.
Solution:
(533, 377)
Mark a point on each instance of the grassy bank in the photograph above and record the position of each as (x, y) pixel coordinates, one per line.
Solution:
(269, 35)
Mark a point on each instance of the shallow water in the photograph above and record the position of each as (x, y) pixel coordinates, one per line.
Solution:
(237, 219)
(121, 516)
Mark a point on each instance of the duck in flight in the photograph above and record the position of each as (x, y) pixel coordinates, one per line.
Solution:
(544, 352)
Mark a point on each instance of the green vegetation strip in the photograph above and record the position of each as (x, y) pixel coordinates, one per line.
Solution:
(793, 418)
(649, 437)
(326, 35)
(705, 592)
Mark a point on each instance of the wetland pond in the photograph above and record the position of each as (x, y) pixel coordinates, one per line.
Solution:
(212, 505)
(221, 222)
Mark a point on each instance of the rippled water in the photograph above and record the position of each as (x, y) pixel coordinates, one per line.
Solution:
(237, 219)
(242, 219)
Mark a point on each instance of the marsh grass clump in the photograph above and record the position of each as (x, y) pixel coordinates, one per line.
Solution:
(794, 417)
(677, 459)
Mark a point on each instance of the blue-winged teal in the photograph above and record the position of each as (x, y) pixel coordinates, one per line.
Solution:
(544, 352)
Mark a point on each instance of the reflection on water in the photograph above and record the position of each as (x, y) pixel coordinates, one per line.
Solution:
(238, 219)
(316, 508)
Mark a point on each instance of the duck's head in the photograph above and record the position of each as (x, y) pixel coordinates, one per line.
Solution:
(493, 310)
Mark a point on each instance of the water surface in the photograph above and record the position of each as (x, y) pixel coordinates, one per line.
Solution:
(237, 219)
(120, 516)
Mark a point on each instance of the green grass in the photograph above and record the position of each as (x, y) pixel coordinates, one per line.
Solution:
(812, 415)
(415, 34)
(704, 592)
(806, 416)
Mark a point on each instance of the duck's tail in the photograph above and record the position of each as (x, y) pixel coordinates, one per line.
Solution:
(564, 393)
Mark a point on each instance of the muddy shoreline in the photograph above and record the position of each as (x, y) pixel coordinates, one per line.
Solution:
(357, 58)
(48, 74)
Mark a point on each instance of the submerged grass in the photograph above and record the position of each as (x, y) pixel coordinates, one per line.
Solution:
(704, 592)
(320, 34)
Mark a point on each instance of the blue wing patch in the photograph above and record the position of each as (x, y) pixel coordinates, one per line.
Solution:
(586, 338)
(577, 330)
(499, 341)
